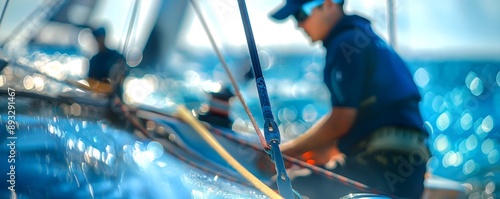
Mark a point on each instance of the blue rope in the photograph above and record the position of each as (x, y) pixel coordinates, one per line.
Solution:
(271, 131)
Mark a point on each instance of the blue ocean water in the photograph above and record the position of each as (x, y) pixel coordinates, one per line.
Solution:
(460, 107)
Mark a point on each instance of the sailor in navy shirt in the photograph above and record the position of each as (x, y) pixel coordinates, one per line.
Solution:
(364, 73)
(375, 119)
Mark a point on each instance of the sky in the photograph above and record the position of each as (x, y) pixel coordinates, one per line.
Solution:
(461, 28)
(428, 28)
(454, 28)
(15, 13)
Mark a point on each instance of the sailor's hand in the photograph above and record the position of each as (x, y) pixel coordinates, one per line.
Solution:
(328, 157)
(288, 148)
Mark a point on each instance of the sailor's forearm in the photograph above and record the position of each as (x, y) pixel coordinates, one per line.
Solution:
(318, 138)
(324, 133)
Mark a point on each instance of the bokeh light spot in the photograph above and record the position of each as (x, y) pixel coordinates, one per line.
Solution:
(466, 121)
(487, 146)
(498, 78)
(493, 156)
(443, 121)
(469, 78)
(471, 142)
(442, 143)
(28, 82)
(469, 167)
(476, 86)
(452, 159)
(309, 113)
(421, 77)
(487, 124)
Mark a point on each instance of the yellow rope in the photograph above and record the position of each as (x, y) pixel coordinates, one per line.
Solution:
(184, 114)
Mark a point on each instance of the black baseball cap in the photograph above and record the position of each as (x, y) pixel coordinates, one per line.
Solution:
(99, 32)
(292, 6)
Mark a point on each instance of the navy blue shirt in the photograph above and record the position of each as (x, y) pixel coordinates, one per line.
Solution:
(101, 64)
(363, 72)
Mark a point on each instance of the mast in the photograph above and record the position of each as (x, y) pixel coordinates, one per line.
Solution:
(133, 19)
(391, 23)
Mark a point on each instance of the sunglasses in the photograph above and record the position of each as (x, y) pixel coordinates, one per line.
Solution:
(306, 10)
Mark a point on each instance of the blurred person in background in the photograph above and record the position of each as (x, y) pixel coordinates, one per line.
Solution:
(107, 71)
(218, 108)
(107, 68)
(374, 120)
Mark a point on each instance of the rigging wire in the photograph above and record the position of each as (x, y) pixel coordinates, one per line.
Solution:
(3, 12)
(272, 138)
(131, 24)
(271, 130)
(391, 23)
(211, 140)
(228, 72)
